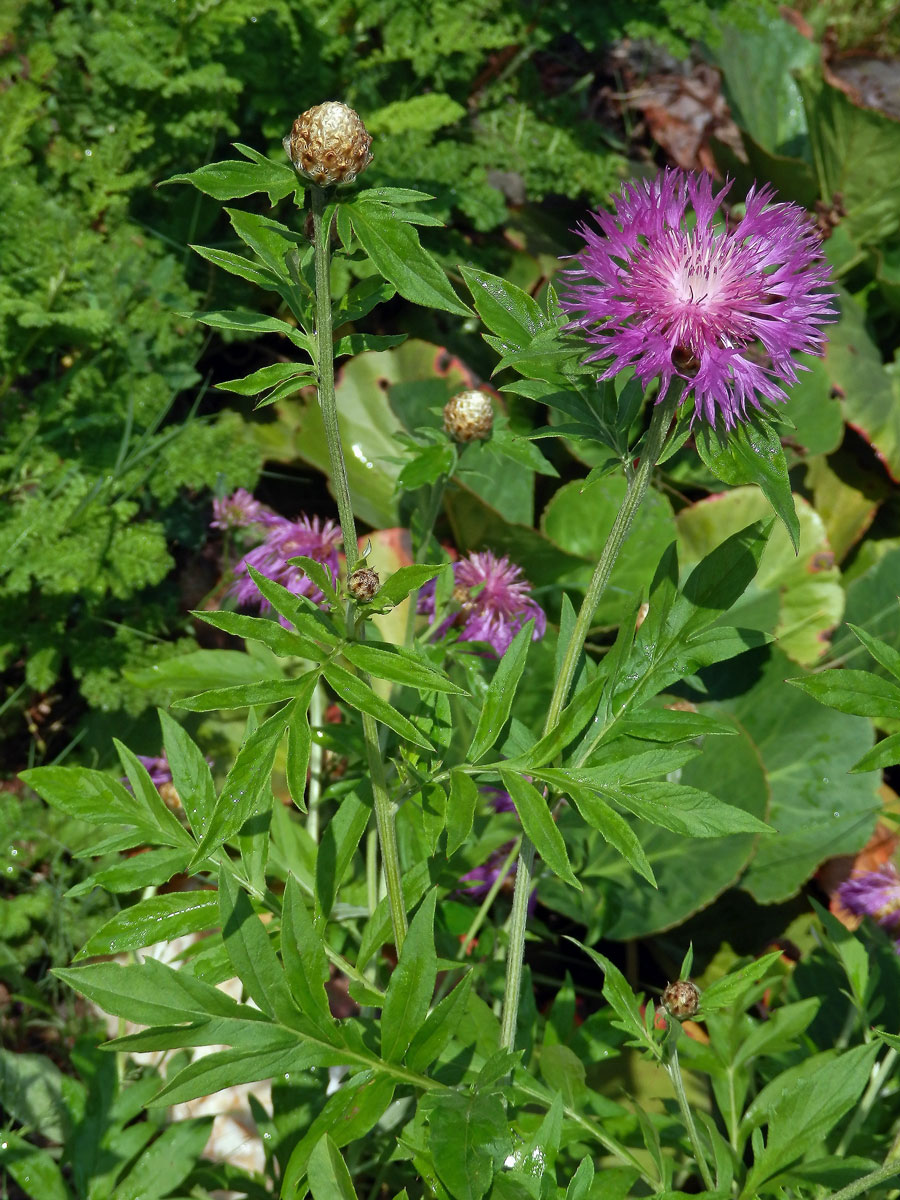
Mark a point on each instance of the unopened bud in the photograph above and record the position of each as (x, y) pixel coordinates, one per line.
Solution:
(469, 415)
(681, 999)
(328, 144)
(363, 584)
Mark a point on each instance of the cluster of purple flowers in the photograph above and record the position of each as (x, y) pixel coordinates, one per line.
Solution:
(479, 881)
(668, 289)
(494, 602)
(311, 537)
(875, 894)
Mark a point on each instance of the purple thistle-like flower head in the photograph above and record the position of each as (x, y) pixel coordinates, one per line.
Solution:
(308, 536)
(157, 768)
(666, 289)
(495, 602)
(874, 894)
(237, 510)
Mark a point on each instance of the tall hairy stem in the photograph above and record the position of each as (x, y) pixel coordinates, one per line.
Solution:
(384, 812)
(637, 489)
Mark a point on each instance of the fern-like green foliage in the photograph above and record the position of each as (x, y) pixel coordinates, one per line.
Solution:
(111, 442)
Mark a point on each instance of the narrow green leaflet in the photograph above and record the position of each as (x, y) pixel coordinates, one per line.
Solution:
(411, 985)
(283, 642)
(304, 958)
(96, 797)
(151, 993)
(504, 308)
(299, 744)
(360, 300)
(399, 256)
(247, 788)
(327, 1173)
(572, 720)
(614, 828)
(623, 1001)
(243, 320)
(267, 691)
(338, 845)
(460, 809)
(752, 453)
(150, 869)
(267, 377)
(884, 654)
(398, 586)
(191, 775)
(242, 1064)
(307, 617)
(244, 268)
(146, 791)
(233, 179)
(732, 986)
(719, 579)
(685, 810)
(539, 825)
(500, 694)
(858, 692)
(251, 953)
(398, 665)
(155, 919)
(319, 574)
(442, 1023)
(358, 695)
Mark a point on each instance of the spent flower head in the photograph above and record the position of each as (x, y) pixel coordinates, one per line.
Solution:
(667, 287)
(308, 536)
(469, 415)
(875, 894)
(494, 602)
(328, 144)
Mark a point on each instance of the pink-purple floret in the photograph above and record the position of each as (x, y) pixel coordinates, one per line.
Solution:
(311, 537)
(668, 297)
(497, 602)
(875, 894)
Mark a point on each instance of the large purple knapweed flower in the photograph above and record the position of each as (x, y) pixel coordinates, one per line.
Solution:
(874, 894)
(237, 510)
(494, 602)
(309, 536)
(671, 290)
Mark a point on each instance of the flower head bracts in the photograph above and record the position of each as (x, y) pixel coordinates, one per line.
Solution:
(666, 290)
(494, 602)
(875, 894)
(308, 536)
(237, 510)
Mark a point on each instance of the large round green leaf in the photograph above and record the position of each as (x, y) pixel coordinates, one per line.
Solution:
(818, 809)
(797, 597)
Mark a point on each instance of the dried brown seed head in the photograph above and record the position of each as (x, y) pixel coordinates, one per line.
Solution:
(363, 584)
(469, 415)
(681, 999)
(328, 144)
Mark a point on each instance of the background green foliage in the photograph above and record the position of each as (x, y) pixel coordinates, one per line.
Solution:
(114, 438)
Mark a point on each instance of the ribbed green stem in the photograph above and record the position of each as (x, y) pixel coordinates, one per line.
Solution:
(384, 815)
(674, 1069)
(637, 488)
(325, 374)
